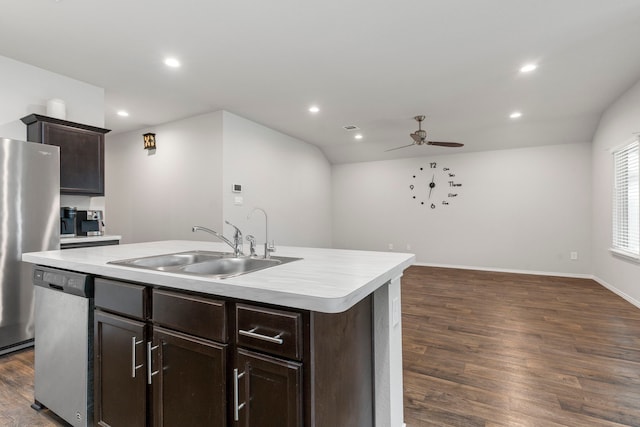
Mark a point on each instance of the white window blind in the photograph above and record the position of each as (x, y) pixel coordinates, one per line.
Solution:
(626, 201)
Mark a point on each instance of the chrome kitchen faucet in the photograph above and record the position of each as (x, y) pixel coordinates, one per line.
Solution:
(237, 237)
(268, 246)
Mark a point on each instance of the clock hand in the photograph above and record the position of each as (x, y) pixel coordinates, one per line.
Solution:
(432, 184)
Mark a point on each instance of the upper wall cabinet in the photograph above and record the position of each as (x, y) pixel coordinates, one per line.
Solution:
(81, 152)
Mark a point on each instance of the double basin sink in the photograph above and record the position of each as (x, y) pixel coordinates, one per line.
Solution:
(219, 265)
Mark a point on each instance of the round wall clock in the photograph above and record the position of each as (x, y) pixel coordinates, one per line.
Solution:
(434, 186)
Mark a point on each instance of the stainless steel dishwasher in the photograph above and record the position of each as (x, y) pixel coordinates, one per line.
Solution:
(64, 344)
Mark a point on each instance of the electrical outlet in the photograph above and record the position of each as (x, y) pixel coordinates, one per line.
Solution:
(574, 256)
(390, 246)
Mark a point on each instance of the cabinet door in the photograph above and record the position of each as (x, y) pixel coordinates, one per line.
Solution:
(190, 386)
(81, 158)
(267, 391)
(119, 371)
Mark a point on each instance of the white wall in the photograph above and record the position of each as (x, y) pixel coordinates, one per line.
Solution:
(521, 210)
(160, 195)
(617, 125)
(25, 89)
(288, 178)
(188, 180)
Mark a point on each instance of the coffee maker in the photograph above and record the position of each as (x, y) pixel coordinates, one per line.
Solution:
(68, 221)
(89, 223)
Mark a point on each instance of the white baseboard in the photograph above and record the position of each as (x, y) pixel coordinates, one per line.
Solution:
(508, 270)
(617, 291)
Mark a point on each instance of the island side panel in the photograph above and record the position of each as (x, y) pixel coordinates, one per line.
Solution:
(342, 367)
(388, 355)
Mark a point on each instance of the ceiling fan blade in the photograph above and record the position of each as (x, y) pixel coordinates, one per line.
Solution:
(397, 148)
(445, 144)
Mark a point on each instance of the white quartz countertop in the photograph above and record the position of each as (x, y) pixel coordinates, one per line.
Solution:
(88, 239)
(325, 280)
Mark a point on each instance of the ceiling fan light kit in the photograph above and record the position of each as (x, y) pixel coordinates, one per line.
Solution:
(420, 138)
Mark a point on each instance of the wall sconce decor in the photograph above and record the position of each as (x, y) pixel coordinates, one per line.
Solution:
(149, 141)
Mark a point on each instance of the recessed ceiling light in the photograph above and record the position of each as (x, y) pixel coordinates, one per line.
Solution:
(172, 62)
(358, 136)
(515, 115)
(123, 113)
(528, 68)
(314, 109)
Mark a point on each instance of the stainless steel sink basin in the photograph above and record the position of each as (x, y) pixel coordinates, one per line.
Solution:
(161, 262)
(218, 265)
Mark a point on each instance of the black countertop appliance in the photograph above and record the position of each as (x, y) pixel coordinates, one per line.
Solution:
(68, 221)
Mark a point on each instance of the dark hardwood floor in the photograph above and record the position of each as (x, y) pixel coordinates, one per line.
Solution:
(499, 349)
(481, 349)
(16, 393)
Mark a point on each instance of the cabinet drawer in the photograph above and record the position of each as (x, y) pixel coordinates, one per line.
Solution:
(272, 331)
(123, 298)
(194, 315)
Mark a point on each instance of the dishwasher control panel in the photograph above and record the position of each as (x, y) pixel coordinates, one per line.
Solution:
(66, 281)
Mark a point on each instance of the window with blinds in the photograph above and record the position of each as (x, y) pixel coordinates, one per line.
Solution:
(626, 201)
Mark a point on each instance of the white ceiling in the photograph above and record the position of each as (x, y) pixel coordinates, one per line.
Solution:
(370, 63)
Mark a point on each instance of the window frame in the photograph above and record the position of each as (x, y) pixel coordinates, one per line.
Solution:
(625, 221)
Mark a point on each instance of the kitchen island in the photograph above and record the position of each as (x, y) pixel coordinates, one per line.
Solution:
(325, 283)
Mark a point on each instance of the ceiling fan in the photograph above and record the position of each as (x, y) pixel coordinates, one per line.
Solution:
(420, 138)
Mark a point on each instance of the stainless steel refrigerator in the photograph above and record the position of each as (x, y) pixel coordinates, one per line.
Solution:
(29, 222)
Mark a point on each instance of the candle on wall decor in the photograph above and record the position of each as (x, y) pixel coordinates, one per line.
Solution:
(149, 141)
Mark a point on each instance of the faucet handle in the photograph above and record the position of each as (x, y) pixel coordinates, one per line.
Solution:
(252, 244)
(268, 248)
(237, 232)
(237, 239)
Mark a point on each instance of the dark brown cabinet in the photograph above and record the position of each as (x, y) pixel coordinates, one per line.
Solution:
(172, 358)
(120, 381)
(269, 391)
(120, 332)
(189, 363)
(189, 388)
(268, 388)
(147, 374)
(81, 152)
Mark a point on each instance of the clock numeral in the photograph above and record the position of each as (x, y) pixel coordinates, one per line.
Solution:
(411, 186)
(433, 165)
(451, 175)
(453, 195)
(444, 202)
(453, 184)
(445, 169)
(433, 206)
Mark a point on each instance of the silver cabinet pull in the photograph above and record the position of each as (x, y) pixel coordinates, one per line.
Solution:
(149, 371)
(252, 333)
(134, 367)
(236, 405)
